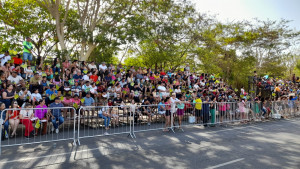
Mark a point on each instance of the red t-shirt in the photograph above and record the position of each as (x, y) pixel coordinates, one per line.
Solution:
(17, 61)
(162, 73)
(94, 78)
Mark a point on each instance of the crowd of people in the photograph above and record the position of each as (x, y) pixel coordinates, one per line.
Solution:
(79, 83)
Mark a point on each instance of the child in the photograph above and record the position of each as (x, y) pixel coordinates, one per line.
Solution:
(28, 72)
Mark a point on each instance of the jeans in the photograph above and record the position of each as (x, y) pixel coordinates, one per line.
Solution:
(6, 125)
(60, 121)
(106, 119)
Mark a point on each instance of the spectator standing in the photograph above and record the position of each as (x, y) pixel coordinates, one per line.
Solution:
(27, 51)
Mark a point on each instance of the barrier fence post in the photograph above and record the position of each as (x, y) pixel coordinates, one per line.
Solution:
(75, 117)
(131, 126)
(172, 124)
(1, 132)
(78, 127)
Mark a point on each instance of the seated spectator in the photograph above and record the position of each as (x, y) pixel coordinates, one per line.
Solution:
(88, 100)
(14, 118)
(14, 78)
(36, 97)
(25, 118)
(24, 96)
(49, 93)
(56, 114)
(17, 60)
(5, 117)
(42, 115)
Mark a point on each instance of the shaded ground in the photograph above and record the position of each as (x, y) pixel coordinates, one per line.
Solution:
(274, 144)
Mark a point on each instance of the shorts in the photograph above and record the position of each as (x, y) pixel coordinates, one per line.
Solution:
(168, 113)
(198, 113)
(180, 112)
(161, 112)
(27, 56)
(222, 113)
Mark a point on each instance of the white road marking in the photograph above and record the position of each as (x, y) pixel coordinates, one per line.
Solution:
(227, 163)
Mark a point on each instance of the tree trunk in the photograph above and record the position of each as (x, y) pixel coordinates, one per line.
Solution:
(85, 55)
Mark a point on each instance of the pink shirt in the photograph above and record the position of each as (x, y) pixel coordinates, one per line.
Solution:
(40, 113)
(68, 101)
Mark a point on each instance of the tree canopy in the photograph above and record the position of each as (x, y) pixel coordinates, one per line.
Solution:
(151, 33)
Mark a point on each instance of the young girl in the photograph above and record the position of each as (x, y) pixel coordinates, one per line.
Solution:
(25, 118)
(180, 111)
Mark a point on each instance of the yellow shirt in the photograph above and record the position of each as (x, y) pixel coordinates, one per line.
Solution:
(198, 103)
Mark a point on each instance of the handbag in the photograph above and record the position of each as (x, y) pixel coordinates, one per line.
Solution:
(192, 119)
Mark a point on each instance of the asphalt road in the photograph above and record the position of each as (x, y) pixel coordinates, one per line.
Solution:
(274, 144)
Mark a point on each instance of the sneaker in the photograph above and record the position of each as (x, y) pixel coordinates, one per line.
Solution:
(56, 131)
(106, 133)
(6, 135)
(27, 137)
(262, 117)
(52, 129)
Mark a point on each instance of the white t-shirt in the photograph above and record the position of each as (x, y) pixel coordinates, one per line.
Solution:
(4, 59)
(101, 67)
(16, 79)
(86, 77)
(26, 113)
(36, 96)
(27, 95)
(90, 66)
(196, 86)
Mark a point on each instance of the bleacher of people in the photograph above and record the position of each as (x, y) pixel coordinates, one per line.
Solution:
(79, 83)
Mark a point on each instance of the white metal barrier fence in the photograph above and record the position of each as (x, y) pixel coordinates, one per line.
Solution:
(93, 121)
(37, 125)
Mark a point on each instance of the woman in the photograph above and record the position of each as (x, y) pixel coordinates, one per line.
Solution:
(25, 119)
(5, 121)
(213, 111)
(14, 118)
(180, 111)
(41, 114)
(8, 95)
(168, 113)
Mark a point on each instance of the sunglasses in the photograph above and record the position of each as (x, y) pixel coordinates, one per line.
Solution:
(15, 103)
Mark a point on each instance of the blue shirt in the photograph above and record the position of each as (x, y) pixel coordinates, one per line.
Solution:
(49, 92)
(56, 112)
(160, 104)
(88, 101)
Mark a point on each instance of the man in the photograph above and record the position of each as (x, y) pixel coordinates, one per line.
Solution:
(49, 92)
(198, 107)
(118, 100)
(88, 100)
(27, 54)
(56, 114)
(4, 58)
(15, 79)
(205, 111)
(35, 83)
(102, 69)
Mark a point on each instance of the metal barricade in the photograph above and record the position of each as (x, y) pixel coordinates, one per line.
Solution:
(153, 117)
(54, 126)
(96, 121)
